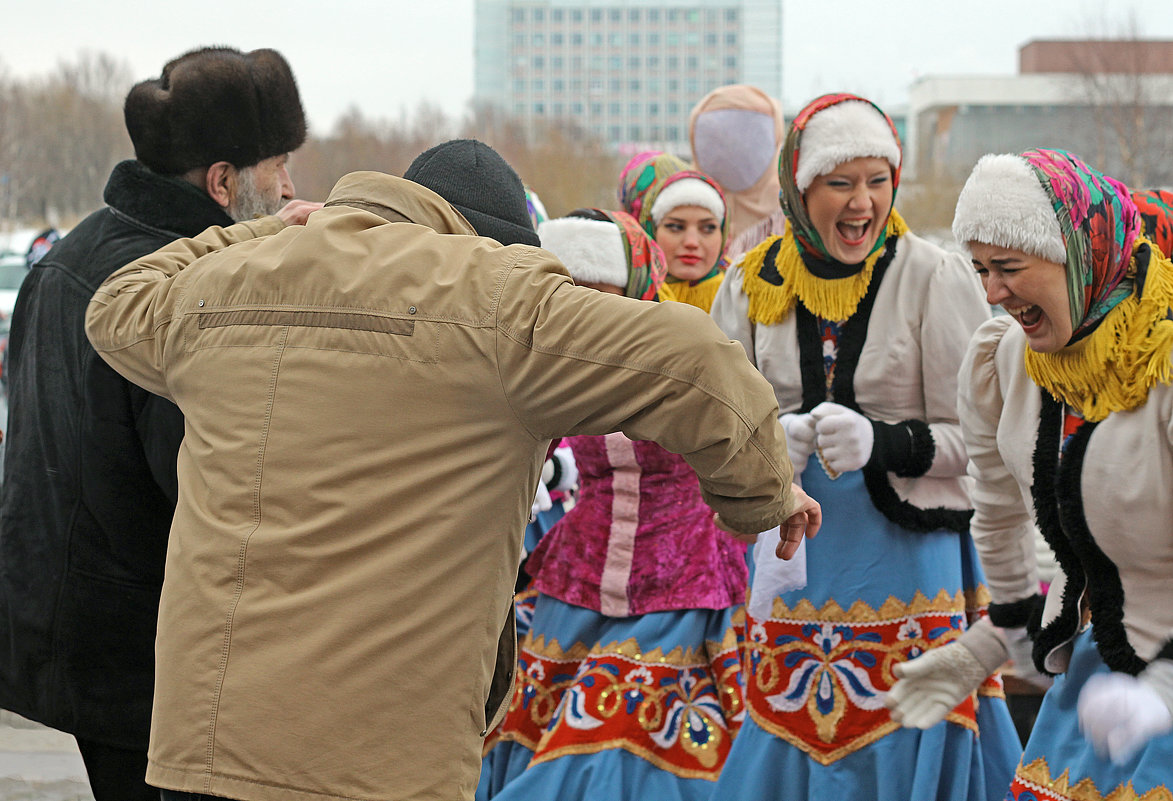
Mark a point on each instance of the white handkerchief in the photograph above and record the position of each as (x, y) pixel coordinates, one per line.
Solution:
(773, 576)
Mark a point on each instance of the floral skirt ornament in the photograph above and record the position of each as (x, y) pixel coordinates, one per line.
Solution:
(1059, 763)
(819, 663)
(612, 708)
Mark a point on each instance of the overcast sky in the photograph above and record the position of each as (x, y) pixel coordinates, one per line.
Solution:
(386, 56)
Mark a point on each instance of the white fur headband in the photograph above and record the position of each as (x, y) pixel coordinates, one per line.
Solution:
(849, 130)
(1003, 204)
(592, 250)
(687, 192)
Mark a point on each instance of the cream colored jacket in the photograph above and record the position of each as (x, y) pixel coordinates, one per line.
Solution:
(927, 307)
(368, 401)
(1125, 484)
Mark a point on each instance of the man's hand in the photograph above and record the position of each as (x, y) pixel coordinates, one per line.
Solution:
(295, 212)
(804, 522)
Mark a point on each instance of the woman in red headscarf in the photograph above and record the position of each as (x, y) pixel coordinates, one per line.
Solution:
(861, 326)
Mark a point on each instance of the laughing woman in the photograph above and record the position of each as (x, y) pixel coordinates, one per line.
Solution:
(1067, 410)
(861, 326)
(684, 211)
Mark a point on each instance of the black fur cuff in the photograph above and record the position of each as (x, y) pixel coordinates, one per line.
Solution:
(1166, 651)
(1018, 614)
(905, 448)
(557, 477)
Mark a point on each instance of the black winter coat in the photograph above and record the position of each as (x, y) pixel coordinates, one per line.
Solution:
(89, 480)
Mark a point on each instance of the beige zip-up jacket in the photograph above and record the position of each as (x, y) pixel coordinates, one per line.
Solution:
(368, 401)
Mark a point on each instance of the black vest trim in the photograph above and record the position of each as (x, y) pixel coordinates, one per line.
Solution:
(1058, 501)
(1166, 651)
(852, 337)
(1025, 613)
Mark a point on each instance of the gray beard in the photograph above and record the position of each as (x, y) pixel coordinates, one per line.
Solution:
(249, 203)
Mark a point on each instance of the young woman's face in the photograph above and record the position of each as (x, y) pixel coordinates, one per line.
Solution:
(690, 237)
(849, 205)
(1031, 290)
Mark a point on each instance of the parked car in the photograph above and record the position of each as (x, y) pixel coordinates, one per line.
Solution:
(12, 273)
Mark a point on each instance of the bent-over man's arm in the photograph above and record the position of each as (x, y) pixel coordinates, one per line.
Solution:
(577, 361)
(129, 314)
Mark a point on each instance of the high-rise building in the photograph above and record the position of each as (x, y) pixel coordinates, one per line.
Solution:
(627, 71)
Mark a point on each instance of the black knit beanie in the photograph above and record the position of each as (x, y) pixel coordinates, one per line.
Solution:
(481, 185)
(215, 104)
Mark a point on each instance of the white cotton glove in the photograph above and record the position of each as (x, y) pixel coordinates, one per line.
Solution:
(1119, 714)
(931, 685)
(844, 438)
(800, 438)
(542, 502)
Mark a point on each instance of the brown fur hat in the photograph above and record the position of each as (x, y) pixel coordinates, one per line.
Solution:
(215, 104)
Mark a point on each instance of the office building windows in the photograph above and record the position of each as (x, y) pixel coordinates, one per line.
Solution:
(574, 58)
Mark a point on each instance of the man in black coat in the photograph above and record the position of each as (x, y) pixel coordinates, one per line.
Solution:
(89, 482)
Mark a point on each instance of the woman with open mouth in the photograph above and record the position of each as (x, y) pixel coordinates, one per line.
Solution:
(1066, 406)
(861, 326)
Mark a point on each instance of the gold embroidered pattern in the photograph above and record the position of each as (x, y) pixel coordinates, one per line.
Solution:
(1036, 779)
(817, 676)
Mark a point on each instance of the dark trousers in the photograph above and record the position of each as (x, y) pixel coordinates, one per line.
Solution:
(174, 795)
(116, 774)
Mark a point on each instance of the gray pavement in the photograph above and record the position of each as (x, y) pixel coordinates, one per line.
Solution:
(39, 764)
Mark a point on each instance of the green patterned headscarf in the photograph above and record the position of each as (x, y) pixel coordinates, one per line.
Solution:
(1099, 223)
(638, 176)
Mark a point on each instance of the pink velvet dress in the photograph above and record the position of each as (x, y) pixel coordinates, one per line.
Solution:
(640, 539)
(629, 678)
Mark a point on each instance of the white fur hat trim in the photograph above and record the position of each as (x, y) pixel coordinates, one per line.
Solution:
(1003, 204)
(849, 130)
(592, 250)
(687, 192)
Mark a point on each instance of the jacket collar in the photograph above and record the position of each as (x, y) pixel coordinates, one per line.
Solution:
(162, 202)
(397, 199)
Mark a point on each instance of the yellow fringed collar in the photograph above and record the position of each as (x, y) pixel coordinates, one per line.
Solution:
(1113, 368)
(701, 294)
(770, 301)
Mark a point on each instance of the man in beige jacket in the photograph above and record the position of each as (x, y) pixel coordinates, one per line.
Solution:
(369, 398)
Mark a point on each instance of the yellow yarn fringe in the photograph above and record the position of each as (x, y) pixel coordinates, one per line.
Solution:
(829, 298)
(701, 295)
(1113, 368)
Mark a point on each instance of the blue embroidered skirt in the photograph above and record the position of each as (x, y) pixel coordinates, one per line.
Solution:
(818, 666)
